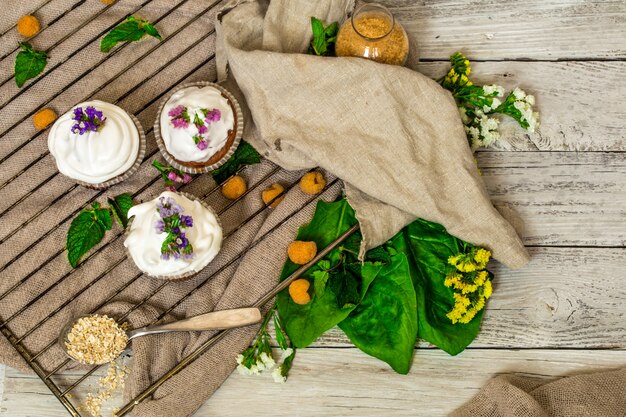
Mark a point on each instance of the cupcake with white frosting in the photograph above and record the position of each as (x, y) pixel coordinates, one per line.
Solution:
(173, 236)
(199, 127)
(97, 144)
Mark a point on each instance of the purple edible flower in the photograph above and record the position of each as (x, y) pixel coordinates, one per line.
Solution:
(159, 226)
(202, 145)
(180, 123)
(171, 188)
(174, 176)
(213, 116)
(186, 221)
(182, 241)
(89, 120)
(176, 111)
(187, 178)
(202, 129)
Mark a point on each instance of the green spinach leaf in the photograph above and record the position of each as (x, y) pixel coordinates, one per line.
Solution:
(132, 29)
(244, 155)
(29, 63)
(429, 246)
(384, 324)
(86, 231)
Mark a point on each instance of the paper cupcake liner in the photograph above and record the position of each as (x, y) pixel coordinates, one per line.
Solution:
(140, 155)
(208, 168)
(187, 275)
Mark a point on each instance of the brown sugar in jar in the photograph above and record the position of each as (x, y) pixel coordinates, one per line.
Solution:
(373, 33)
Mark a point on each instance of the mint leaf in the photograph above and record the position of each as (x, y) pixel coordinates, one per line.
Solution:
(132, 29)
(319, 282)
(323, 42)
(119, 208)
(29, 63)
(244, 155)
(86, 231)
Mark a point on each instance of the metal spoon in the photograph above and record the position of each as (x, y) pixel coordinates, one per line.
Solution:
(216, 320)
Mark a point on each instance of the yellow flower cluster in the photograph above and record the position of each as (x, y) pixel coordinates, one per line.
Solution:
(460, 70)
(470, 283)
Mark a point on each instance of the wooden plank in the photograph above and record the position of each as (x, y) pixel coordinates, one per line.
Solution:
(565, 298)
(580, 103)
(346, 382)
(534, 29)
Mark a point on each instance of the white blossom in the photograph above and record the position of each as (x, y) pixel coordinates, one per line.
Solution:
(519, 94)
(278, 376)
(239, 359)
(267, 360)
(463, 113)
(286, 353)
(494, 105)
(490, 89)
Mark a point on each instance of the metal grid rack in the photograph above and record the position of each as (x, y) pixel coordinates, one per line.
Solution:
(63, 391)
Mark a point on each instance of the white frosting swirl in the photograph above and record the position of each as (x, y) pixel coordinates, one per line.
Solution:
(144, 244)
(179, 141)
(95, 157)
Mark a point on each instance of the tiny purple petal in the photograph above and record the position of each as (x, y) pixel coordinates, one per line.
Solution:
(172, 175)
(171, 188)
(202, 129)
(159, 226)
(213, 116)
(187, 221)
(78, 113)
(202, 145)
(176, 111)
(180, 123)
(186, 178)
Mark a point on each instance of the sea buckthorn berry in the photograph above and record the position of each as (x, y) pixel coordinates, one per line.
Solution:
(28, 26)
(301, 252)
(43, 118)
(108, 2)
(234, 187)
(271, 193)
(312, 183)
(299, 291)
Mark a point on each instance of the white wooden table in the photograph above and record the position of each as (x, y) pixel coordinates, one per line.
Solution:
(562, 314)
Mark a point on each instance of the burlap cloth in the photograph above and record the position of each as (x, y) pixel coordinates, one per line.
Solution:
(392, 134)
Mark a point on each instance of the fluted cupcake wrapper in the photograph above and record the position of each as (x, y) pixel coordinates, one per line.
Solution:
(187, 275)
(140, 155)
(233, 147)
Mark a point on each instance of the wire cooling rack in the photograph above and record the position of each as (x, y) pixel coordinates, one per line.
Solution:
(64, 392)
(154, 83)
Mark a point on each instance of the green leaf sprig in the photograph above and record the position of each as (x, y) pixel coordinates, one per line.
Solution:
(29, 63)
(244, 155)
(324, 38)
(89, 227)
(131, 30)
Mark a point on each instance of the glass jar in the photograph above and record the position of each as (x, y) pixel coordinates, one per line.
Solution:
(373, 33)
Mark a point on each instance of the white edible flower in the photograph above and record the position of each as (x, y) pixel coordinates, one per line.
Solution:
(494, 105)
(519, 94)
(268, 361)
(243, 370)
(530, 99)
(490, 89)
(254, 370)
(473, 132)
(260, 365)
(239, 359)
(286, 353)
(278, 376)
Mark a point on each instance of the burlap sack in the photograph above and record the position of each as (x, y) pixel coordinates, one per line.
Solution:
(591, 395)
(393, 135)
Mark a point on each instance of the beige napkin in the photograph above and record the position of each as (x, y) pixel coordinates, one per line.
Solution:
(393, 135)
(588, 395)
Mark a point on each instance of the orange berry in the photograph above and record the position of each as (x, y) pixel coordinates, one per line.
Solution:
(43, 118)
(234, 188)
(107, 2)
(271, 193)
(312, 183)
(299, 291)
(301, 252)
(28, 26)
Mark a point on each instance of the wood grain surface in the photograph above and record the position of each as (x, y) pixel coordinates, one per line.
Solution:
(563, 187)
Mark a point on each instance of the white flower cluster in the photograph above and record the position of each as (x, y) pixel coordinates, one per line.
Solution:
(494, 91)
(481, 129)
(265, 362)
(524, 103)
